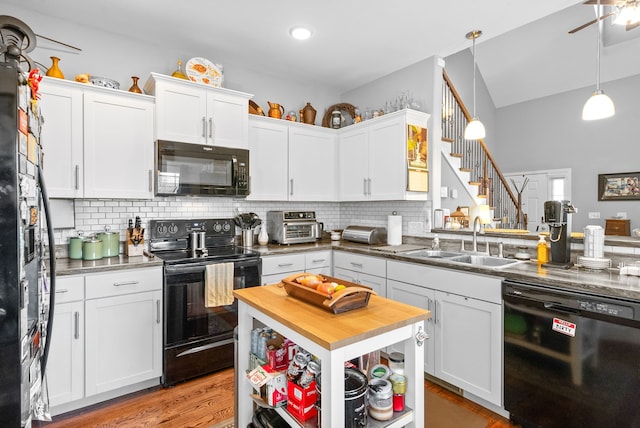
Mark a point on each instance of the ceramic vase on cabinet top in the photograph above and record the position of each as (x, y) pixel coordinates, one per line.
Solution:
(54, 70)
(135, 88)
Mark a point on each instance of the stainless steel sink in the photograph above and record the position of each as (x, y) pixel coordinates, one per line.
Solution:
(485, 261)
(431, 254)
(462, 258)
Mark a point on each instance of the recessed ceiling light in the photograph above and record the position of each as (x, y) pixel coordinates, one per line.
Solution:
(300, 33)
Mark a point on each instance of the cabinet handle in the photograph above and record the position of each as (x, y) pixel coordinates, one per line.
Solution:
(317, 260)
(63, 290)
(291, 186)
(211, 128)
(150, 181)
(435, 307)
(119, 284)
(369, 186)
(284, 264)
(364, 186)
(158, 311)
(204, 127)
(77, 177)
(76, 327)
(358, 265)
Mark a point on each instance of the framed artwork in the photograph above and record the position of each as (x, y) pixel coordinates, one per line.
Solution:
(619, 187)
(417, 170)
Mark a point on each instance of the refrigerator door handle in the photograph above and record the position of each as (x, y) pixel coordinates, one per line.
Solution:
(77, 177)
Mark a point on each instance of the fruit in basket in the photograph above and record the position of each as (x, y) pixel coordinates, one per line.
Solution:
(339, 287)
(310, 280)
(326, 288)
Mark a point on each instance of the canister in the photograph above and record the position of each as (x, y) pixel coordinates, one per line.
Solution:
(75, 248)
(92, 249)
(396, 362)
(110, 242)
(380, 395)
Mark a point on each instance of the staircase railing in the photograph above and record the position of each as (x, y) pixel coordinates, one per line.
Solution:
(476, 158)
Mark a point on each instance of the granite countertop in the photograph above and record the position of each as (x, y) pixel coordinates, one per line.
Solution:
(607, 282)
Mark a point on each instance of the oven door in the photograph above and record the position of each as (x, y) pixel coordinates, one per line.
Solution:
(199, 339)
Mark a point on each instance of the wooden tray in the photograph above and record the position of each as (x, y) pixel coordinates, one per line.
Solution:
(354, 296)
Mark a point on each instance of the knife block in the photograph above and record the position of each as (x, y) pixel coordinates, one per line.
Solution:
(130, 249)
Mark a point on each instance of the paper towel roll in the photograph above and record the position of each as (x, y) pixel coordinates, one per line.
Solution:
(394, 230)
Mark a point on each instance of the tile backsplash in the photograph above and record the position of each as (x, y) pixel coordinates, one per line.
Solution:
(92, 215)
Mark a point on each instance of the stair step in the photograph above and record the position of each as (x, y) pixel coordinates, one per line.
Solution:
(475, 183)
(465, 169)
(447, 140)
(457, 155)
(482, 196)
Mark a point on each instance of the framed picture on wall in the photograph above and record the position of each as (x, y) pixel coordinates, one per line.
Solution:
(619, 187)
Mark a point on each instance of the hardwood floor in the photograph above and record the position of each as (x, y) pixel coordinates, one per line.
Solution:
(198, 403)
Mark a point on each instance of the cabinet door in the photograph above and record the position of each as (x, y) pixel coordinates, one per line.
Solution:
(423, 298)
(65, 367)
(118, 146)
(182, 113)
(61, 108)
(312, 161)
(469, 345)
(353, 163)
(123, 340)
(317, 259)
(387, 160)
(268, 151)
(227, 118)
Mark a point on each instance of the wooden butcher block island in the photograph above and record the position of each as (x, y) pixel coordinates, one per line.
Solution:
(334, 339)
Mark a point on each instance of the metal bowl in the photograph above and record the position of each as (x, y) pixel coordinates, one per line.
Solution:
(104, 82)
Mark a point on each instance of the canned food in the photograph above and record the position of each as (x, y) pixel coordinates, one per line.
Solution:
(399, 383)
(309, 374)
(297, 366)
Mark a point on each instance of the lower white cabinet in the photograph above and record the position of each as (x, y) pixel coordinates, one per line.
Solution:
(276, 267)
(107, 338)
(359, 269)
(65, 366)
(465, 345)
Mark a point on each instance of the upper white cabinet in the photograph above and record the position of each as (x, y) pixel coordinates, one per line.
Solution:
(196, 113)
(291, 161)
(373, 158)
(97, 142)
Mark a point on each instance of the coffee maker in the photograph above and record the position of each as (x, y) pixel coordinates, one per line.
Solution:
(555, 215)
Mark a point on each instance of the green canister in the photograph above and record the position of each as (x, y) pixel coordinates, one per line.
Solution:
(91, 249)
(75, 248)
(110, 242)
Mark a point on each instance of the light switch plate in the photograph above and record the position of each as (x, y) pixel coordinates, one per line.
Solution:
(593, 214)
(444, 192)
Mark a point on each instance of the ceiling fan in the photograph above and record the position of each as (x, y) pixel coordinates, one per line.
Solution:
(628, 12)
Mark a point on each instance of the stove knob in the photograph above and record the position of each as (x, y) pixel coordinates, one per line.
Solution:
(173, 228)
(217, 227)
(226, 227)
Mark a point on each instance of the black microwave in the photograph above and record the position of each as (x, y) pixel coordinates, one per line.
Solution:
(200, 170)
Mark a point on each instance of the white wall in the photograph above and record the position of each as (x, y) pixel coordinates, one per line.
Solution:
(548, 133)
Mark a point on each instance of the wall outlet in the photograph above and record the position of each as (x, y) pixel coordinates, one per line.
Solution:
(621, 215)
(415, 226)
(594, 215)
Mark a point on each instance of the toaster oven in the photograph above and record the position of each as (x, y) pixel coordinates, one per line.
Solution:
(292, 227)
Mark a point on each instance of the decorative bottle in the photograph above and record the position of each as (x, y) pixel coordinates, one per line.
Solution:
(135, 88)
(54, 70)
(179, 73)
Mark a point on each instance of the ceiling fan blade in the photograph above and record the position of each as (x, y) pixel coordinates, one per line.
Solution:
(590, 23)
(604, 2)
(632, 26)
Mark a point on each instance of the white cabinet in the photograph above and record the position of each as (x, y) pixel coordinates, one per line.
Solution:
(372, 158)
(98, 142)
(359, 269)
(107, 336)
(65, 367)
(118, 146)
(291, 161)
(276, 267)
(124, 328)
(466, 327)
(196, 113)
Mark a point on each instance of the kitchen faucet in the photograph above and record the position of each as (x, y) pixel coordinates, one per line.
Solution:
(475, 235)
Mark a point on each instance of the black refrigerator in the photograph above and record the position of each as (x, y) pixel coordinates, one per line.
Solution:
(27, 284)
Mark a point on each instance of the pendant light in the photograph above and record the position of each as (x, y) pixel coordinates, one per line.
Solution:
(599, 105)
(475, 129)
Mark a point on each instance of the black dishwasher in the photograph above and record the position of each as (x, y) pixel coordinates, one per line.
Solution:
(570, 359)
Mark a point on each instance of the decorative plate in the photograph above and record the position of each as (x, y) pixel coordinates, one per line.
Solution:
(202, 70)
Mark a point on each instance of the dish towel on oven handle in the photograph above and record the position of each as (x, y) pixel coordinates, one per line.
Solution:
(218, 284)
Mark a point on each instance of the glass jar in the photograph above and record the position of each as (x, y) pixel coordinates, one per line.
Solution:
(396, 363)
(380, 396)
(336, 119)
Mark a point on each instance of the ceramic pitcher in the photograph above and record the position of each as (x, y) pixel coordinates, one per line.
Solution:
(275, 110)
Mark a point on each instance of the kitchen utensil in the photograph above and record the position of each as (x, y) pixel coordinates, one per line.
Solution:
(92, 249)
(247, 238)
(110, 242)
